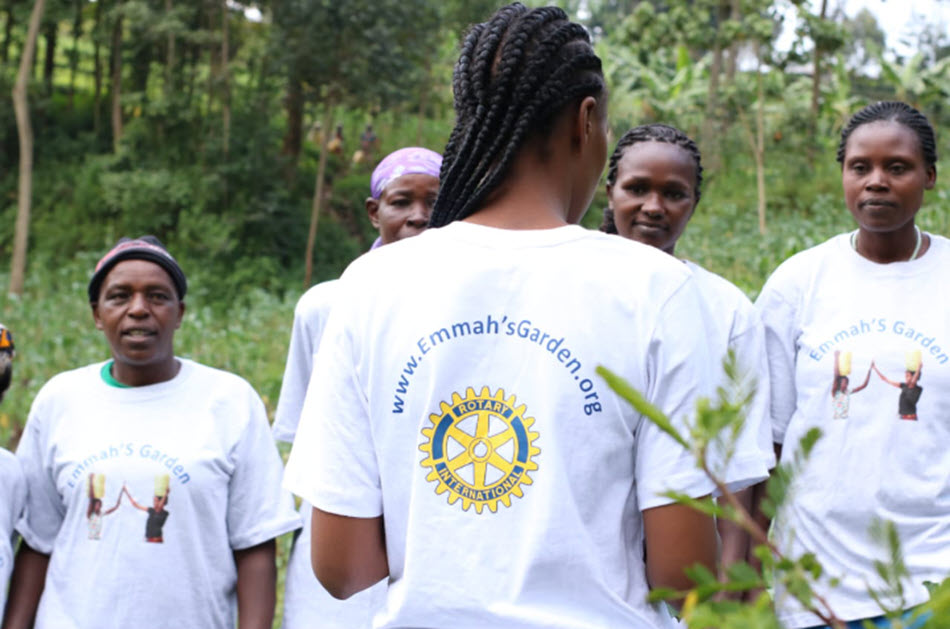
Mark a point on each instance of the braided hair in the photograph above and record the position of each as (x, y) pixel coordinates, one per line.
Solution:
(514, 75)
(894, 111)
(656, 132)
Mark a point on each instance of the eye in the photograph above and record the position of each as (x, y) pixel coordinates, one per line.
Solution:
(401, 202)
(637, 189)
(675, 194)
(898, 168)
(159, 296)
(117, 295)
(859, 168)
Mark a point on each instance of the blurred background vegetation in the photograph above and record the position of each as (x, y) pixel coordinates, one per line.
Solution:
(212, 124)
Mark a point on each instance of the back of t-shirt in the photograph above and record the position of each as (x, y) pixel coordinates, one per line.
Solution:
(455, 393)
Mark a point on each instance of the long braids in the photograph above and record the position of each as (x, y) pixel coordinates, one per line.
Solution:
(656, 132)
(893, 111)
(514, 75)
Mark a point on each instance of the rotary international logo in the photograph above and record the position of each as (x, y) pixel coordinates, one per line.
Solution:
(480, 448)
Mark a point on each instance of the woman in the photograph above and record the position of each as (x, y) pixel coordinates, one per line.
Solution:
(456, 438)
(654, 181)
(12, 485)
(145, 414)
(871, 291)
(403, 188)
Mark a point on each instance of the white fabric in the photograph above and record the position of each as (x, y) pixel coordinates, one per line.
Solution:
(207, 431)
(734, 324)
(555, 537)
(12, 501)
(306, 603)
(310, 317)
(870, 464)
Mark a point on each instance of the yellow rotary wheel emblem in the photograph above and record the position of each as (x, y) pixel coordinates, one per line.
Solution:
(480, 449)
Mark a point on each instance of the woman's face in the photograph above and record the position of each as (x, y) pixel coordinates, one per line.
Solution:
(138, 311)
(404, 206)
(884, 176)
(654, 194)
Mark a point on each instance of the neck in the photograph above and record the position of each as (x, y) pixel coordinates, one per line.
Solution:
(136, 376)
(887, 247)
(534, 195)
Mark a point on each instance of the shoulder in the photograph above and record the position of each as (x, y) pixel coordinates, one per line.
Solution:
(8, 464)
(714, 286)
(71, 381)
(214, 381)
(316, 300)
(792, 275)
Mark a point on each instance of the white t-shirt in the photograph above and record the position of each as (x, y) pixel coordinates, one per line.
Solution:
(12, 501)
(306, 603)
(464, 407)
(310, 317)
(201, 441)
(735, 324)
(871, 463)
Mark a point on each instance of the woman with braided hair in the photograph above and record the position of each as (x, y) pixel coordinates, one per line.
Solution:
(654, 180)
(455, 437)
(869, 297)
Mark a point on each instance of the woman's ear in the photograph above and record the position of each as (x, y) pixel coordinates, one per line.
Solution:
(586, 121)
(372, 209)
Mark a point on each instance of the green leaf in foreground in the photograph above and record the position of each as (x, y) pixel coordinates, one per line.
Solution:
(655, 415)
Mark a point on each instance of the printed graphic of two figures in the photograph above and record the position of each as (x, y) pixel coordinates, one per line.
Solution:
(157, 515)
(910, 389)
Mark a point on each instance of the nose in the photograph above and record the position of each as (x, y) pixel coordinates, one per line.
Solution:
(652, 204)
(877, 179)
(138, 305)
(419, 215)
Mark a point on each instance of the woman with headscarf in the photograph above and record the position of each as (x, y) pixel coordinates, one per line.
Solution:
(147, 422)
(403, 188)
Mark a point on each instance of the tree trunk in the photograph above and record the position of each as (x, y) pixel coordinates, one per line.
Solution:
(760, 139)
(97, 70)
(735, 13)
(815, 90)
(293, 138)
(117, 82)
(74, 54)
(49, 62)
(318, 193)
(25, 133)
(225, 80)
(7, 34)
(710, 145)
(169, 55)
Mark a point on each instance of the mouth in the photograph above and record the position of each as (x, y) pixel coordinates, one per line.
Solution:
(652, 227)
(876, 203)
(138, 333)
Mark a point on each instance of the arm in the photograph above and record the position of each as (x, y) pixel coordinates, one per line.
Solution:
(735, 539)
(885, 378)
(256, 585)
(348, 554)
(26, 587)
(866, 379)
(677, 537)
(914, 378)
(131, 499)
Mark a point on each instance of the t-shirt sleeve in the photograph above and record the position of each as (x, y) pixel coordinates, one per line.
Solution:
(12, 493)
(44, 510)
(781, 338)
(751, 455)
(333, 464)
(293, 388)
(679, 371)
(258, 508)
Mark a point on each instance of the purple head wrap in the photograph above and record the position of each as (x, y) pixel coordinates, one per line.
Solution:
(408, 161)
